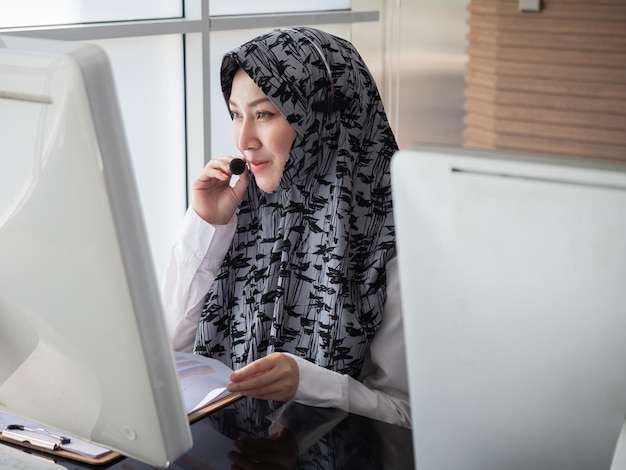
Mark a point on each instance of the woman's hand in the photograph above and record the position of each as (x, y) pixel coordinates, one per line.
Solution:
(274, 377)
(213, 198)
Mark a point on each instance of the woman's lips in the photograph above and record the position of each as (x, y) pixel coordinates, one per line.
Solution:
(257, 166)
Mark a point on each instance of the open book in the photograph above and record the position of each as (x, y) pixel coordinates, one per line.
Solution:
(203, 384)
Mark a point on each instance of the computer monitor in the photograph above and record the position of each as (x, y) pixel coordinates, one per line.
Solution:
(513, 283)
(83, 343)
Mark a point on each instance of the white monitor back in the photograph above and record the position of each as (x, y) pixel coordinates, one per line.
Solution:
(513, 276)
(83, 345)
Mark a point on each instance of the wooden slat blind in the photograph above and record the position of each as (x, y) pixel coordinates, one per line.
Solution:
(548, 82)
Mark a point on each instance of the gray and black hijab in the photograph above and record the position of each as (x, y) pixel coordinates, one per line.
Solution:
(306, 270)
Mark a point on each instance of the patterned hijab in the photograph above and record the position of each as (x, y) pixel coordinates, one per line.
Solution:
(306, 270)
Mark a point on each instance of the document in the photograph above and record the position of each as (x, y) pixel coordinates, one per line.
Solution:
(203, 380)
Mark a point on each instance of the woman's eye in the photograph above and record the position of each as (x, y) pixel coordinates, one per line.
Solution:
(263, 114)
(234, 115)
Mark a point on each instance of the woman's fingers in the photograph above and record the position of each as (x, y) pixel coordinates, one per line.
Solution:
(274, 377)
(213, 198)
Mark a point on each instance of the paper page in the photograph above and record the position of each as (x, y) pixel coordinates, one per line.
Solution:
(203, 380)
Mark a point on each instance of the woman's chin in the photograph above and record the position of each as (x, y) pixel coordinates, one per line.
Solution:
(266, 186)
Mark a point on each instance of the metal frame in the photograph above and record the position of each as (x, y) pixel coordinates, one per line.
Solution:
(206, 24)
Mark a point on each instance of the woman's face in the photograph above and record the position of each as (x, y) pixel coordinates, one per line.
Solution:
(260, 132)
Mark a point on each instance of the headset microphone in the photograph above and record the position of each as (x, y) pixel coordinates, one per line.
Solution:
(237, 166)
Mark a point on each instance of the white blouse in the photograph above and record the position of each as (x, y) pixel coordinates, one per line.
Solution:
(382, 392)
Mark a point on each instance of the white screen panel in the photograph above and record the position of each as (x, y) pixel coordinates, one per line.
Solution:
(512, 271)
(84, 348)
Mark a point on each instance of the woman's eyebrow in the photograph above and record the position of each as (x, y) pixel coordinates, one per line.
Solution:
(252, 103)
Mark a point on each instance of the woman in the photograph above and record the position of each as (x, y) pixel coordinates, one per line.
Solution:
(290, 276)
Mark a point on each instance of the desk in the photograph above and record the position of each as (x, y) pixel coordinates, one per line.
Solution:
(335, 440)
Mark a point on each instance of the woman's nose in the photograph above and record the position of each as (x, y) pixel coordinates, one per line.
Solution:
(248, 138)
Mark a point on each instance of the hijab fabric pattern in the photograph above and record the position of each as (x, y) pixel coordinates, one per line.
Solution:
(305, 273)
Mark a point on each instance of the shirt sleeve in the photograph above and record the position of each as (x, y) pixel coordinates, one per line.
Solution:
(195, 258)
(382, 393)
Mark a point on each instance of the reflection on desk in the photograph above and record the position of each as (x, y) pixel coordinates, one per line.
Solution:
(286, 436)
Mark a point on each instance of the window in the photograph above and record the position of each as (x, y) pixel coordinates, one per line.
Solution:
(165, 56)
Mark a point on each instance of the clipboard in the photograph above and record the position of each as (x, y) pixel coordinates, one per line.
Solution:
(211, 407)
(44, 446)
(41, 440)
